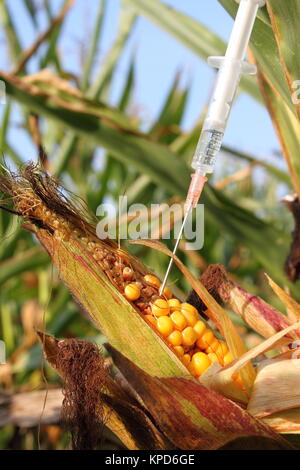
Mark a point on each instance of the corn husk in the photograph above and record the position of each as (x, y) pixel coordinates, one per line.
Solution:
(258, 314)
(276, 388)
(220, 379)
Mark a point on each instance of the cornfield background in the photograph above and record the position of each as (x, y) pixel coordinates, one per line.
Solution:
(247, 228)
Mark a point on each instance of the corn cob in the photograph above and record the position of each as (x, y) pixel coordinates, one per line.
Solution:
(37, 199)
(182, 328)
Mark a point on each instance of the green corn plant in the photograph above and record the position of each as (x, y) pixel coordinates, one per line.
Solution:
(150, 165)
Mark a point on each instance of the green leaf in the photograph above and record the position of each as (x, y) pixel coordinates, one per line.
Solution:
(272, 169)
(32, 11)
(166, 127)
(102, 81)
(10, 31)
(30, 259)
(285, 21)
(287, 126)
(92, 51)
(263, 44)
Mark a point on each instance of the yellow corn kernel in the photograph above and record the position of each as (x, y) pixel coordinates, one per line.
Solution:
(160, 308)
(152, 280)
(150, 319)
(174, 304)
(200, 362)
(165, 325)
(213, 357)
(179, 350)
(190, 317)
(132, 291)
(189, 308)
(227, 358)
(189, 337)
(214, 346)
(186, 359)
(179, 320)
(205, 340)
(175, 338)
(199, 328)
(167, 293)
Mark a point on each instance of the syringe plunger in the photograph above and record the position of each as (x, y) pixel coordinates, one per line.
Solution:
(231, 66)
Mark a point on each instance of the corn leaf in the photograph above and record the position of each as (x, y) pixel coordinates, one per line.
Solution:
(287, 127)
(285, 22)
(274, 50)
(92, 52)
(102, 81)
(264, 47)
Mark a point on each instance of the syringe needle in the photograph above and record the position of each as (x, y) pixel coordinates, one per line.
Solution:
(231, 66)
(163, 285)
(195, 189)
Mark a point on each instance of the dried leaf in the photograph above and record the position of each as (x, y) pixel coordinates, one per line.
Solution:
(290, 303)
(189, 414)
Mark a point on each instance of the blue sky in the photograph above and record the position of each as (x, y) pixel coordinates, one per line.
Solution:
(158, 58)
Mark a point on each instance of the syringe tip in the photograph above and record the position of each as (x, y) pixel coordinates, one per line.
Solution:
(195, 190)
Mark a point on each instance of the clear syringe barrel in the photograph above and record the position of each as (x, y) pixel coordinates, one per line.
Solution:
(230, 69)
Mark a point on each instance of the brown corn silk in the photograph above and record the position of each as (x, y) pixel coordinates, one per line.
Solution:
(93, 400)
(85, 375)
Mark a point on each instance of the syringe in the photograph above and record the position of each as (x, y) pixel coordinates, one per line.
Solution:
(231, 66)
